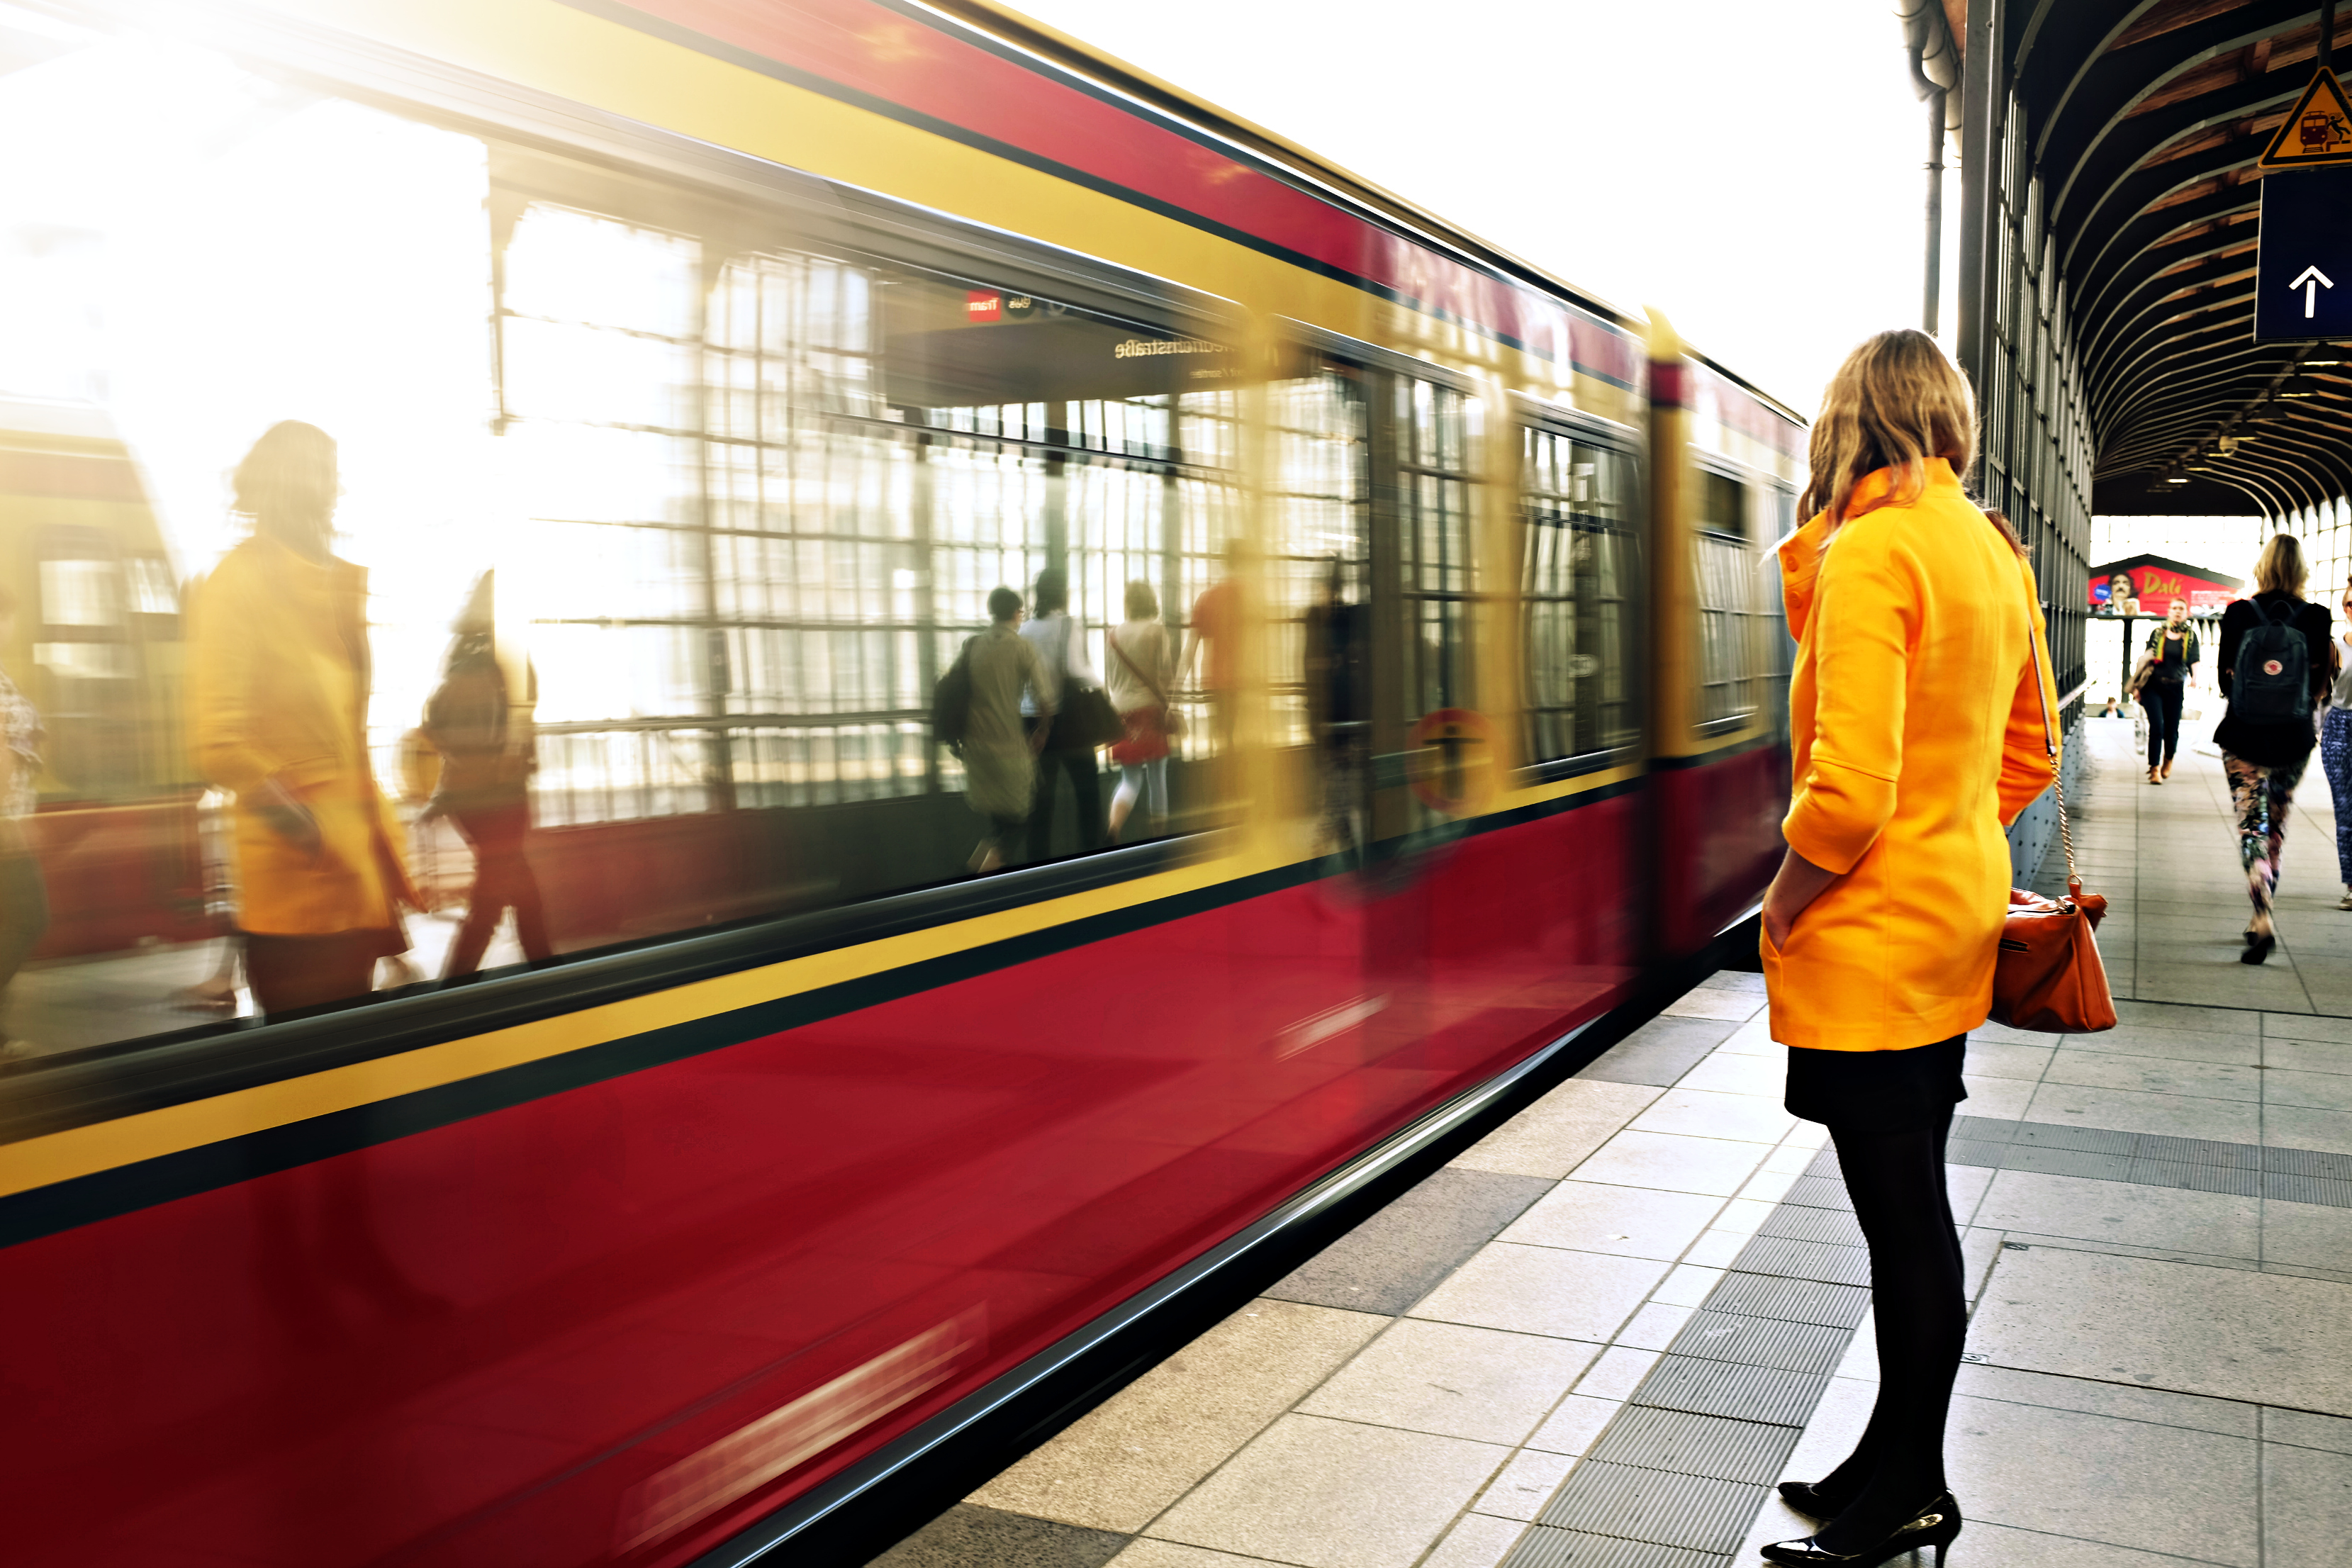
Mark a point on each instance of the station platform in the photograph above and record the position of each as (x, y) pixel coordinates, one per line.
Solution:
(1597, 1338)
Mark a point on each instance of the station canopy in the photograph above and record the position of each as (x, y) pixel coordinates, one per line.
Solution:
(2143, 127)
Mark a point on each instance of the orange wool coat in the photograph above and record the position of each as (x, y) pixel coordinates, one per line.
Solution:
(1917, 740)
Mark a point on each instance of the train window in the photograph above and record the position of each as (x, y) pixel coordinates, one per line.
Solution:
(1577, 583)
(1734, 653)
(738, 500)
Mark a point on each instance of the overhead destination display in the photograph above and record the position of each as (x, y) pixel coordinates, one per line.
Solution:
(2303, 272)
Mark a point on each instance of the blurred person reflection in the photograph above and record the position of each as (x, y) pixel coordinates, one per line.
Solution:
(1212, 643)
(1142, 669)
(483, 732)
(1062, 657)
(999, 748)
(1336, 630)
(277, 685)
(24, 898)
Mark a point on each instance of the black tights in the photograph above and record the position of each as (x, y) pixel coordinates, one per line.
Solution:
(1920, 1309)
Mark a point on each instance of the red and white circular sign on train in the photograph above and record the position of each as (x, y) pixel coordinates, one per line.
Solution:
(1450, 761)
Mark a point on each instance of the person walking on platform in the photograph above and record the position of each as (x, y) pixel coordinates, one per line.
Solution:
(2274, 670)
(1000, 762)
(1142, 668)
(2335, 748)
(1915, 715)
(277, 696)
(2171, 660)
(479, 721)
(1061, 653)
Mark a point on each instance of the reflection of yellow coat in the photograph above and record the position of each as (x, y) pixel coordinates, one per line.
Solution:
(278, 686)
(1916, 734)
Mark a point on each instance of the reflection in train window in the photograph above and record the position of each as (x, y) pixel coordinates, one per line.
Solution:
(1576, 588)
(738, 500)
(1735, 653)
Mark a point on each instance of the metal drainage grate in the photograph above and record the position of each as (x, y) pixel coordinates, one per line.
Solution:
(1544, 1547)
(1697, 1512)
(1761, 1341)
(1818, 1193)
(1711, 1445)
(1838, 1227)
(1805, 1260)
(1790, 1300)
(1725, 1388)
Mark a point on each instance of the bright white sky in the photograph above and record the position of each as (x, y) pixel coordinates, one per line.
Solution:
(1753, 170)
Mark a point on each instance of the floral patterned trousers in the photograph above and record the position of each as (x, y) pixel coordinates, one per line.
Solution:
(2262, 796)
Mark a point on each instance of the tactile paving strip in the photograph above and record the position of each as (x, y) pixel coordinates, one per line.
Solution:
(1761, 1341)
(1726, 1388)
(1697, 1512)
(1725, 1450)
(2194, 1165)
(1544, 1547)
(1790, 1300)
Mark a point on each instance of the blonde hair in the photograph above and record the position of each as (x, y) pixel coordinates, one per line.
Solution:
(1142, 603)
(2280, 569)
(287, 483)
(1893, 403)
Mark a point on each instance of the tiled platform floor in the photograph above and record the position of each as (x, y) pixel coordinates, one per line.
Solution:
(1599, 1334)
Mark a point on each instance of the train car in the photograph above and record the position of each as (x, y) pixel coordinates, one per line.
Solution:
(809, 324)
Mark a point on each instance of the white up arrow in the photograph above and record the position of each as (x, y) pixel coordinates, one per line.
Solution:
(2312, 281)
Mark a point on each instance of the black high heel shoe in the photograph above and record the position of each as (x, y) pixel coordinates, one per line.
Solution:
(1809, 1498)
(1936, 1525)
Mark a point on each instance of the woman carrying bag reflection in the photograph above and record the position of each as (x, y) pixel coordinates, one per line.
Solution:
(1915, 718)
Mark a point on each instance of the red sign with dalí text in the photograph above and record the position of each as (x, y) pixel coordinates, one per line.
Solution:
(2151, 584)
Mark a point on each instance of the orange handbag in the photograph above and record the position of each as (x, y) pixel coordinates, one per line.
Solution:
(2048, 978)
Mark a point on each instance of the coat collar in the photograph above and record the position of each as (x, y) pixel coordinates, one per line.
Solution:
(1800, 553)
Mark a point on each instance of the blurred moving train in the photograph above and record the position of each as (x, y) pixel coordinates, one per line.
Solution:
(808, 322)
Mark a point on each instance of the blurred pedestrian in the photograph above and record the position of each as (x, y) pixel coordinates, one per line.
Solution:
(1060, 642)
(2171, 664)
(1916, 711)
(23, 897)
(1142, 668)
(481, 728)
(2336, 746)
(2274, 670)
(1337, 632)
(999, 751)
(277, 685)
(1213, 646)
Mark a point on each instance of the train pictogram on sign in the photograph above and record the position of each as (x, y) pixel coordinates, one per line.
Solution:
(2317, 131)
(1450, 761)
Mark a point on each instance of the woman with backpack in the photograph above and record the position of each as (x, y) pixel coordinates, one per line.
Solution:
(2273, 671)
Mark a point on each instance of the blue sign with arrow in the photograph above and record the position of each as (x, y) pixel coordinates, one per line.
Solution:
(2303, 276)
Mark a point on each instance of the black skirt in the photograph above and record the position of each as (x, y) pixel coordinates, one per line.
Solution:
(1876, 1091)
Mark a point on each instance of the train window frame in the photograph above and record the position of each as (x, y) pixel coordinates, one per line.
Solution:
(1625, 444)
(1392, 506)
(1750, 684)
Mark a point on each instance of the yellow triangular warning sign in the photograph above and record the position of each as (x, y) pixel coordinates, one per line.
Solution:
(2318, 129)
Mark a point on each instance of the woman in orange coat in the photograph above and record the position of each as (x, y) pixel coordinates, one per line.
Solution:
(1916, 724)
(278, 686)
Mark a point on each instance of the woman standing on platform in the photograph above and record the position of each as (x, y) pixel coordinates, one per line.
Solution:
(1916, 713)
(2266, 735)
(2172, 652)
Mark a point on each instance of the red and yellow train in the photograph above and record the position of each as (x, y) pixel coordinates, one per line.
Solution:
(809, 322)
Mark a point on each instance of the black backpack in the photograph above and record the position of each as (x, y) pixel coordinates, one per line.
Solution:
(952, 700)
(2271, 682)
